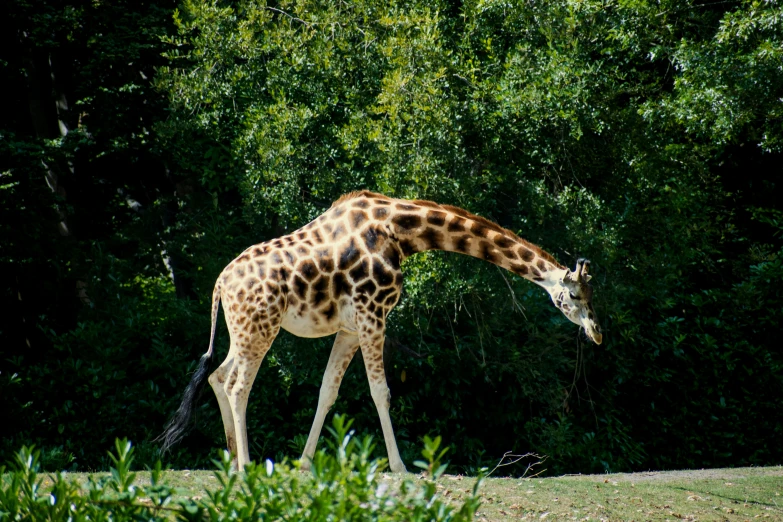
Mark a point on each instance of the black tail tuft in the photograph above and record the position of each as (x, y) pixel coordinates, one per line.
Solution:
(180, 422)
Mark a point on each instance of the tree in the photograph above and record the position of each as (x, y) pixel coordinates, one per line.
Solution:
(645, 136)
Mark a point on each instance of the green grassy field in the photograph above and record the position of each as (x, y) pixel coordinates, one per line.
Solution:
(697, 495)
(723, 494)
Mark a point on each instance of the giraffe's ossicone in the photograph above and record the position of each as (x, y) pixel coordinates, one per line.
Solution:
(341, 274)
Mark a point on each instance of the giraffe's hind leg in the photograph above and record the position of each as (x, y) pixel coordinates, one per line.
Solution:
(238, 390)
(232, 382)
(218, 380)
(249, 353)
(253, 323)
(343, 350)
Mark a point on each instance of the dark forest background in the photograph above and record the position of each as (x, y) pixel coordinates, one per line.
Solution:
(145, 144)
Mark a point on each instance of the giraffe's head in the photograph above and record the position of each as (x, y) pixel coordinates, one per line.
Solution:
(574, 297)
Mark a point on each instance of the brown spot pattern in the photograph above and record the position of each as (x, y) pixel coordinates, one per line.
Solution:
(392, 255)
(371, 239)
(433, 239)
(357, 218)
(300, 287)
(349, 256)
(462, 244)
(367, 288)
(502, 241)
(339, 231)
(407, 247)
(407, 221)
(340, 285)
(360, 271)
(526, 254)
(457, 224)
(437, 218)
(488, 252)
(382, 276)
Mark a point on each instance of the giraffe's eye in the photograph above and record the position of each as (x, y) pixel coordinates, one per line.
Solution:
(573, 296)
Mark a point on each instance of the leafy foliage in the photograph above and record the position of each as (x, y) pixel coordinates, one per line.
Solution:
(344, 484)
(643, 135)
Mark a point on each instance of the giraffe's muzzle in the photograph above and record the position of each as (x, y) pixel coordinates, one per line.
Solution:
(593, 331)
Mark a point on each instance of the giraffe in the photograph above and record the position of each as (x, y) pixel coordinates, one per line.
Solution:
(341, 274)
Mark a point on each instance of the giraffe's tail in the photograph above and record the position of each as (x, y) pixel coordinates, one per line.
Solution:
(178, 426)
(215, 308)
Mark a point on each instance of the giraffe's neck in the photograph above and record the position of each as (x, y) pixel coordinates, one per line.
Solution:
(423, 225)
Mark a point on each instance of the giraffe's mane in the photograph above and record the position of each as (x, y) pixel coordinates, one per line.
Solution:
(358, 194)
(461, 212)
(497, 228)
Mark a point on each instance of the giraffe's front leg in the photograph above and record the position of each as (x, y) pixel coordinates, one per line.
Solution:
(345, 346)
(372, 352)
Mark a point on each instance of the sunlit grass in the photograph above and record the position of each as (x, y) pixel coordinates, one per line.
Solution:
(720, 494)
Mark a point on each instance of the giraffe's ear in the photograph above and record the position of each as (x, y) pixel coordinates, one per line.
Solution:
(575, 276)
(585, 277)
(579, 275)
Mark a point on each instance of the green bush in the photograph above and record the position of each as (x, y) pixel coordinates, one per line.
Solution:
(343, 485)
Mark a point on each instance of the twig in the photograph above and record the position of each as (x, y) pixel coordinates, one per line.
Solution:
(514, 303)
(517, 458)
(288, 15)
(693, 7)
(394, 343)
(451, 327)
(479, 319)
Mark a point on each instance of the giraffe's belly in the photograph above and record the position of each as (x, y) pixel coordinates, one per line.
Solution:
(327, 320)
(305, 326)
(310, 324)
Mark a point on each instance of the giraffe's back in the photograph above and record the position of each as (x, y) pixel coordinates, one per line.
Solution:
(339, 272)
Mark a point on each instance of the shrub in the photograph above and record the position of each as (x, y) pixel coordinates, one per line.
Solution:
(344, 485)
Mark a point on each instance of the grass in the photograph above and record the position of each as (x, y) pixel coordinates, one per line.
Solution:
(723, 494)
(699, 495)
